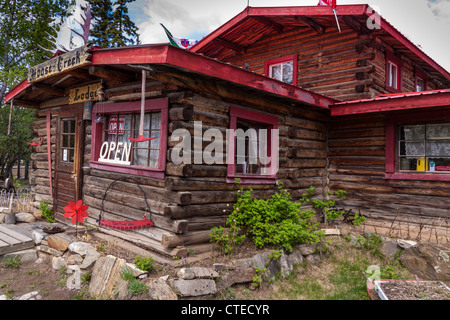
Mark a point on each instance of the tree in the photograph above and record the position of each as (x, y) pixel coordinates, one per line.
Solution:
(24, 29)
(112, 24)
(25, 26)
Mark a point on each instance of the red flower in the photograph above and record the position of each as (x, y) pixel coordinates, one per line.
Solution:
(76, 211)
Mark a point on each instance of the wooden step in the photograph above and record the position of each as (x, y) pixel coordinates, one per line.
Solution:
(11, 240)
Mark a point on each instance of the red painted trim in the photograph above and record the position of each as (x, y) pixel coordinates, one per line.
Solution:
(161, 104)
(49, 150)
(390, 58)
(420, 74)
(418, 176)
(391, 144)
(17, 89)
(139, 171)
(245, 114)
(293, 58)
(392, 103)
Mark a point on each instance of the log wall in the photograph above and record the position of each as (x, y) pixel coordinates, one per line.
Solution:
(192, 198)
(345, 66)
(405, 208)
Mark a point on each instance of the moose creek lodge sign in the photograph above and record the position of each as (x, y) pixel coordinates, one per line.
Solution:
(64, 62)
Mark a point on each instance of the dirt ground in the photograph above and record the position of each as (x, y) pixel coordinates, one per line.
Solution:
(415, 290)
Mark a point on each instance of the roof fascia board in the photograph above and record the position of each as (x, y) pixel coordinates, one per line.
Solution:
(392, 104)
(17, 89)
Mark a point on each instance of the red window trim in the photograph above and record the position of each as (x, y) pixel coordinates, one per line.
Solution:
(162, 105)
(391, 145)
(393, 59)
(236, 113)
(292, 58)
(418, 73)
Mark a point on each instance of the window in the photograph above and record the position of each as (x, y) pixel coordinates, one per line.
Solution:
(393, 73)
(419, 150)
(421, 80)
(252, 147)
(111, 147)
(282, 69)
(67, 140)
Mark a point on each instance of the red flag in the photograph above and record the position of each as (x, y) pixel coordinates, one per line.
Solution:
(327, 3)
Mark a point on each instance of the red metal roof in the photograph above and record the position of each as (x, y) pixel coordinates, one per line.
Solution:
(393, 102)
(195, 63)
(254, 23)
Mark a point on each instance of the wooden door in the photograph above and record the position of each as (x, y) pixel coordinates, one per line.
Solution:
(69, 158)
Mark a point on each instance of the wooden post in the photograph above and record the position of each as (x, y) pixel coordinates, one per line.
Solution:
(49, 150)
(10, 116)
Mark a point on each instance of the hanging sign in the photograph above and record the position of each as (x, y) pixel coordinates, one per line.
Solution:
(85, 93)
(73, 59)
(113, 124)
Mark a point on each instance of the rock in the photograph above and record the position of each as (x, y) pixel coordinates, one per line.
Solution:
(81, 248)
(135, 270)
(196, 272)
(104, 277)
(49, 250)
(5, 210)
(307, 249)
(25, 217)
(4, 297)
(28, 296)
(28, 255)
(390, 249)
(194, 288)
(38, 236)
(2, 218)
(75, 259)
(58, 262)
(405, 244)
(186, 274)
(60, 241)
(428, 261)
(37, 214)
(90, 258)
(121, 290)
(74, 281)
(158, 289)
(313, 258)
(235, 276)
(294, 258)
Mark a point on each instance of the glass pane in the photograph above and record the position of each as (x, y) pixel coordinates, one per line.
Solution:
(441, 148)
(154, 157)
(156, 120)
(154, 144)
(140, 157)
(438, 131)
(72, 141)
(72, 155)
(408, 163)
(288, 69)
(413, 132)
(412, 149)
(275, 72)
(65, 141)
(419, 84)
(72, 126)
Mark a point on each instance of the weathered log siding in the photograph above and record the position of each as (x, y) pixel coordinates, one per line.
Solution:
(344, 66)
(357, 165)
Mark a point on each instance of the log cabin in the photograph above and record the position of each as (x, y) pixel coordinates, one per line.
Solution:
(363, 110)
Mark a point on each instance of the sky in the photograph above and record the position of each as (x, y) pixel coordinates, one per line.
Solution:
(425, 22)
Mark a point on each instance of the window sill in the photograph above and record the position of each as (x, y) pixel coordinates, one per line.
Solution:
(140, 171)
(418, 176)
(252, 179)
(392, 89)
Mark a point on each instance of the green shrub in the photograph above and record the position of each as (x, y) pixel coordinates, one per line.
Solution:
(144, 263)
(47, 213)
(277, 221)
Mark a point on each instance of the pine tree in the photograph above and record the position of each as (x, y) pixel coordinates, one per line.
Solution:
(112, 24)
